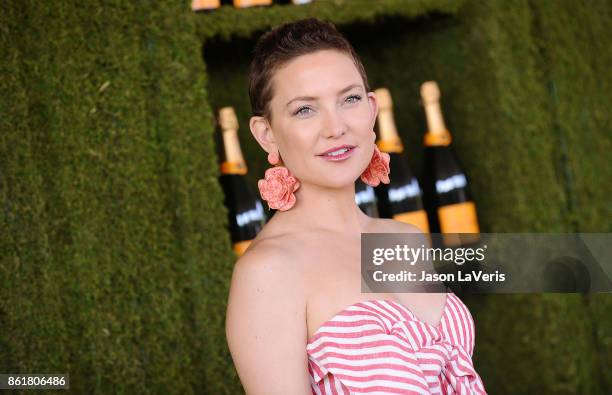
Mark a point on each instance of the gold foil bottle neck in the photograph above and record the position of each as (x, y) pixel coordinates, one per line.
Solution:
(437, 134)
(234, 161)
(389, 140)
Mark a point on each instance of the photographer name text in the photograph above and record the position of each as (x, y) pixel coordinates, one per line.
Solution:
(426, 276)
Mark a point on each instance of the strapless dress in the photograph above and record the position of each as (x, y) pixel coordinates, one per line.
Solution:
(381, 347)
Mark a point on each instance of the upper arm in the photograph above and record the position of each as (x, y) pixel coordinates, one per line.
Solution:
(266, 325)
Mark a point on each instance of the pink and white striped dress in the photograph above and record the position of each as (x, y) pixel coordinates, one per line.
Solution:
(380, 347)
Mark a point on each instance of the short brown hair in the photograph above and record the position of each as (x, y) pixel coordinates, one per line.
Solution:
(284, 43)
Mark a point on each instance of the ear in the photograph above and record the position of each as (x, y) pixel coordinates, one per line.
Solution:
(260, 128)
(373, 106)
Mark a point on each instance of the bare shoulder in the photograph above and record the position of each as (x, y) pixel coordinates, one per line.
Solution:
(417, 238)
(266, 270)
(266, 321)
(263, 252)
(387, 225)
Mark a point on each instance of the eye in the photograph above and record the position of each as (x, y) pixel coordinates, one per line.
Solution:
(355, 99)
(301, 111)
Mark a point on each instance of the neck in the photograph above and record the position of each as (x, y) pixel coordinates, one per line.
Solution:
(320, 208)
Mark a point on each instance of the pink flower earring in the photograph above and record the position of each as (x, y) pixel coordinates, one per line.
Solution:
(278, 185)
(378, 170)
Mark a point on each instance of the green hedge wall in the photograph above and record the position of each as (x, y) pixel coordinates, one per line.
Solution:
(495, 80)
(572, 39)
(114, 259)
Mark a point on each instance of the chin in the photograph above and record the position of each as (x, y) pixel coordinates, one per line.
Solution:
(340, 175)
(343, 180)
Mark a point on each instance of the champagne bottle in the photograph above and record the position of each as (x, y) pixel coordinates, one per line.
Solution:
(401, 199)
(448, 201)
(365, 197)
(246, 215)
(250, 3)
(205, 5)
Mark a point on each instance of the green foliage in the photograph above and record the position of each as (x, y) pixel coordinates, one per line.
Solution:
(576, 59)
(114, 259)
(494, 77)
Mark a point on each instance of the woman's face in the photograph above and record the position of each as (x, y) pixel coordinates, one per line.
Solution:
(320, 103)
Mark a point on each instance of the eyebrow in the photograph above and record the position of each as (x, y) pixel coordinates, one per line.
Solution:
(305, 98)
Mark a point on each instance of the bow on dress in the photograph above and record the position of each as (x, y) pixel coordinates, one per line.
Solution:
(423, 348)
(437, 355)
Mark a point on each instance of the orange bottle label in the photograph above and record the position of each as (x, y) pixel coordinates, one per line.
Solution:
(205, 4)
(389, 146)
(437, 139)
(416, 218)
(233, 168)
(249, 3)
(459, 218)
(241, 246)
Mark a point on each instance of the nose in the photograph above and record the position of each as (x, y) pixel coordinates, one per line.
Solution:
(334, 125)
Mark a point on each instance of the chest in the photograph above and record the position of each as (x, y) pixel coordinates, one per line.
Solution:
(333, 282)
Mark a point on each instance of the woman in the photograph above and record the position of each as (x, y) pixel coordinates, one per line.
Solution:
(297, 321)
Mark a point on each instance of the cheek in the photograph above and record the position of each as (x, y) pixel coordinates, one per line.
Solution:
(303, 138)
(367, 135)
(298, 145)
(368, 147)
(361, 122)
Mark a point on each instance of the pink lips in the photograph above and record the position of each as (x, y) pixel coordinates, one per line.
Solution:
(342, 156)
